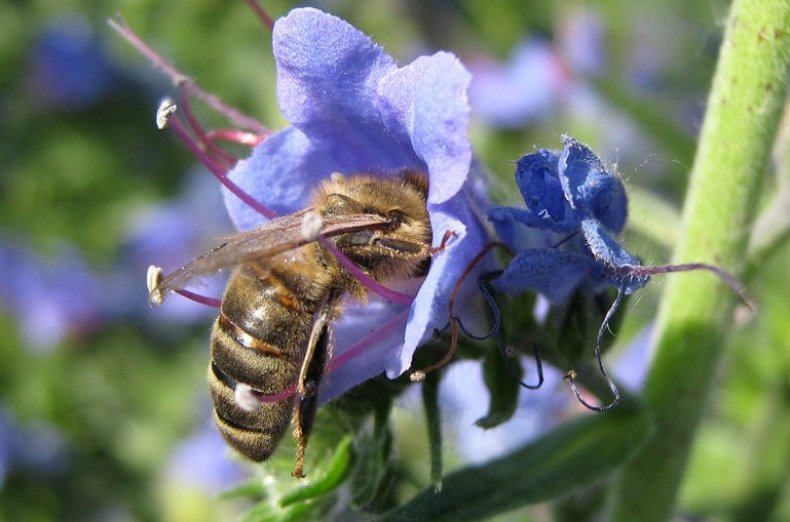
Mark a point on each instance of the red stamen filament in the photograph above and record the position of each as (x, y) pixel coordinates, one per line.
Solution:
(275, 397)
(249, 139)
(261, 13)
(362, 277)
(456, 290)
(396, 322)
(199, 298)
(217, 170)
(226, 157)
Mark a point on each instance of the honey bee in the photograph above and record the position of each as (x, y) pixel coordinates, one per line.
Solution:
(273, 329)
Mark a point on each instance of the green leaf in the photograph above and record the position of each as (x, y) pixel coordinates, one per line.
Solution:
(433, 417)
(576, 454)
(502, 386)
(371, 483)
(251, 489)
(336, 471)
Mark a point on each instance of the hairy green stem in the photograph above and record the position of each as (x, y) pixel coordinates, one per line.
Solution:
(743, 112)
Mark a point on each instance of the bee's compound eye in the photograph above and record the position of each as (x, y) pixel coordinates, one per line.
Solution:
(395, 218)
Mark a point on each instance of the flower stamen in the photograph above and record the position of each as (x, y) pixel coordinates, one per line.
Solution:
(362, 277)
(267, 20)
(224, 156)
(217, 170)
(213, 302)
(451, 305)
(249, 139)
(178, 78)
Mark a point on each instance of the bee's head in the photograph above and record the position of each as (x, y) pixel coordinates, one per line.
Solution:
(401, 248)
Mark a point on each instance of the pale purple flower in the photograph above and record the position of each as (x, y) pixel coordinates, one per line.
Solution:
(67, 66)
(353, 110)
(34, 447)
(170, 232)
(527, 87)
(465, 399)
(51, 298)
(204, 462)
(546, 78)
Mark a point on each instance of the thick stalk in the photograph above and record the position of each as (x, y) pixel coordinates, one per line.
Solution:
(696, 310)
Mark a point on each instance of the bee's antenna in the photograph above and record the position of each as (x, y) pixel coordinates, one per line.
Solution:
(571, 375)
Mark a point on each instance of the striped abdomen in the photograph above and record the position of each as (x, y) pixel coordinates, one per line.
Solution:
(259, 339)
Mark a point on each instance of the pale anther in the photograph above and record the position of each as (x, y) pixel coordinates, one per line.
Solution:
(311, 225)
(153, 280)
(167, 108)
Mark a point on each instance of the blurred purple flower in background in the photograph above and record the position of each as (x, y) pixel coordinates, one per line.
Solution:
(67, 67)
(33, 447)
(169, 234)
(633, 361)
(203, 461)
(464, 398)
(539, 76)
(354, 111)
(526, 88)
(52, 299)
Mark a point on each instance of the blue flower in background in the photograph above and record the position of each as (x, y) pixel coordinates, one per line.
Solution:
(353, 110)
(573, 199)
(203, 461)
(169, 231)
(51, 299)
(526, 88)
(68, 68)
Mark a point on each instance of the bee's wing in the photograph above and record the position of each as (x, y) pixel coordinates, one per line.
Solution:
(275, 237)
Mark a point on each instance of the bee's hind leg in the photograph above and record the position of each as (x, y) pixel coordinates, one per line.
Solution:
(307, 387)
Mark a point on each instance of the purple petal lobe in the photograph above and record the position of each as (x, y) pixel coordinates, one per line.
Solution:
(608, 251)
(375, 333)
(425, 108)
(327, 78)
(553, 273)
(589, 187)
(430, 308)
(281, 173)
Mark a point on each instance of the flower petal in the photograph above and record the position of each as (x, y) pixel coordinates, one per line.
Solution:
(608, 251)
(327, 78)
(281, 173)
(589, 187)
(425, 108)
(430, 308)
(553, 273)
(374, 332)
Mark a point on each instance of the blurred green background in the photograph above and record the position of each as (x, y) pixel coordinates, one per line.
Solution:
(104, 413)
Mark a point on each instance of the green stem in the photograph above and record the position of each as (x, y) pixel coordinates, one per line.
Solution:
(743, 111)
